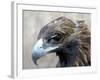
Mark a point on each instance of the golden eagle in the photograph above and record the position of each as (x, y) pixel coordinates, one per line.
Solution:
(70, 41)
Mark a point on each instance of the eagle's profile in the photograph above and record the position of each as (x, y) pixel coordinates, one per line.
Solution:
(69, 40)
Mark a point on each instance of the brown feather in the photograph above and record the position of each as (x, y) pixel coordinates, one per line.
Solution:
(66, 27)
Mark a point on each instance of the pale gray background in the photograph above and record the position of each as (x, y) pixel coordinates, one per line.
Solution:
(33, 21)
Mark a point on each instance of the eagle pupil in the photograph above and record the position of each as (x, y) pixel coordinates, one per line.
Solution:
(54, 39)
(57, 38)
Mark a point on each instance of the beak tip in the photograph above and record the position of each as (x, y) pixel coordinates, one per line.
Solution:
(35, 62)
(34, 59)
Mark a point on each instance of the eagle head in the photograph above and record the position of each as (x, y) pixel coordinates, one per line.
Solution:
(52, 37)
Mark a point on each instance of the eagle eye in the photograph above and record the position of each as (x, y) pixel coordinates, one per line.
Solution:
(55, 38)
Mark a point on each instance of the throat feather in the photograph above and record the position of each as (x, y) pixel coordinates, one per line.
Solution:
(68, 54)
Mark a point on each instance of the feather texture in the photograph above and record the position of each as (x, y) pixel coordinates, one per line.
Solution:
(73, 46)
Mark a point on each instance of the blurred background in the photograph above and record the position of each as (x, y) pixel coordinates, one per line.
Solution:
(33, 21)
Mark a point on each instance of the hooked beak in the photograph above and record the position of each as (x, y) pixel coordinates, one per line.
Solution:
(39, 49)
